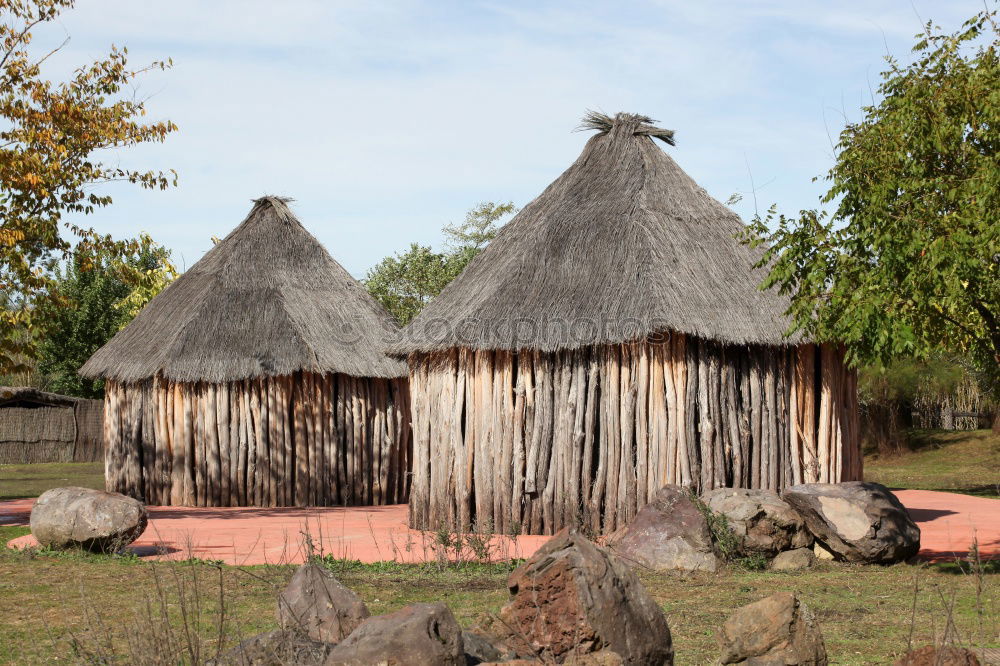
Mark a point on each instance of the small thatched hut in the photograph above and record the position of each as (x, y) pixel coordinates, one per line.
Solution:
(257, 378)
(37, 427)
(612, 339)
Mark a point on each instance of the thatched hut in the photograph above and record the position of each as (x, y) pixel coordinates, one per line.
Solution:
(257, 378)
(613, 339)
(37, 427)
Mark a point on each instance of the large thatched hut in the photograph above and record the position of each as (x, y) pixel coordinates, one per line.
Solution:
(37, 426)
(613, 339)
(257, 378)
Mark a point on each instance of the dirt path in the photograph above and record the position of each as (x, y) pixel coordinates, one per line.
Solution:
(242, 536)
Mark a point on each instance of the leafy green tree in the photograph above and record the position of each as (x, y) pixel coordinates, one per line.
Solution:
(908, 261)
(51, 139)
(96, 294)
(406, 282)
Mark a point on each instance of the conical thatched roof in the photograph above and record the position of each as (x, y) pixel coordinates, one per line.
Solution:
(268, 300)
(622, 245)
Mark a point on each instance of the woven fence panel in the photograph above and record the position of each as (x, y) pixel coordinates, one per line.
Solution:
(18, 453)
(89, 431)
(36, 434)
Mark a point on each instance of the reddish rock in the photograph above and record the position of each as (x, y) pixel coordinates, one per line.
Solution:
(573, 598)
(668, 533)
(775, 630)
(939, 656)
(316, 604)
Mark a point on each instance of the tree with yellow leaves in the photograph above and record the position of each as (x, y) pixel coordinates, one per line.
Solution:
(50, 145)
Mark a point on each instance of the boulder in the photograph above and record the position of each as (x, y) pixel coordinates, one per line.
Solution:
(793, 560)
(668, 533)
(316, 604)
(416, 635)
(858, 521)
(276, 648)
(573, 598)
(763, 522)
(481, 649)
(776, 630)
(96, 520)
(939, 656)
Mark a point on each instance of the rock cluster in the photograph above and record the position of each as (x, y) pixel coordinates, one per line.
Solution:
(573, 602)
(854, 522)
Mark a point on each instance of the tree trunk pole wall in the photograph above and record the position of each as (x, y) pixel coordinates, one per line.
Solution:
(533, 442)
(318, 440)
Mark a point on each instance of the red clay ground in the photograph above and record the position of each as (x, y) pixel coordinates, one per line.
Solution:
(241, 536)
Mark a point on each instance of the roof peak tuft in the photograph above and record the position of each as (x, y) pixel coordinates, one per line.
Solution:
(630, 124)
(623, 245)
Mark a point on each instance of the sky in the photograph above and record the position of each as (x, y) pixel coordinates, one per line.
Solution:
(386, 120)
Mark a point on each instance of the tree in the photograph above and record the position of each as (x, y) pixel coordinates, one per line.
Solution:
(406, 282)
(907, 264)
(96, 295)
(50, 143)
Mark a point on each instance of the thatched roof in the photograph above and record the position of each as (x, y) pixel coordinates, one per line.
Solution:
(24, 396)
(268, 300)
(622, 245)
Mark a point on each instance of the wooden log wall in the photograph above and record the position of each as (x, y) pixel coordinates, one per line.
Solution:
(531, 442)
(301, 440)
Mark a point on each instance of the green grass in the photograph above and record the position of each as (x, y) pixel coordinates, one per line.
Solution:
(50, 600)
(952, 461)
(864, 611)
(17, 481)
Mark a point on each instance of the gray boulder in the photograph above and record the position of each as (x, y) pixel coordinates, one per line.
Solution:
(481, 649)
(417, 635)
(316, 604)
(668, 533)
(96, 520)
(775, 631)
(857, 521)
(573, 598)
(763, 522)
(793, 560)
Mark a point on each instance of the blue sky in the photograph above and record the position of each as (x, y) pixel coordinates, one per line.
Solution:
(387, 120)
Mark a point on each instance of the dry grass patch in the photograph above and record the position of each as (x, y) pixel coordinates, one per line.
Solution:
(31, 480)
(106, 606)
(953, 461)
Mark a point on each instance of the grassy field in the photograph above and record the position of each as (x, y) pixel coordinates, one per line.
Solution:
(58, 601)
(17, 481)
(962, 462)
(78, 608)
